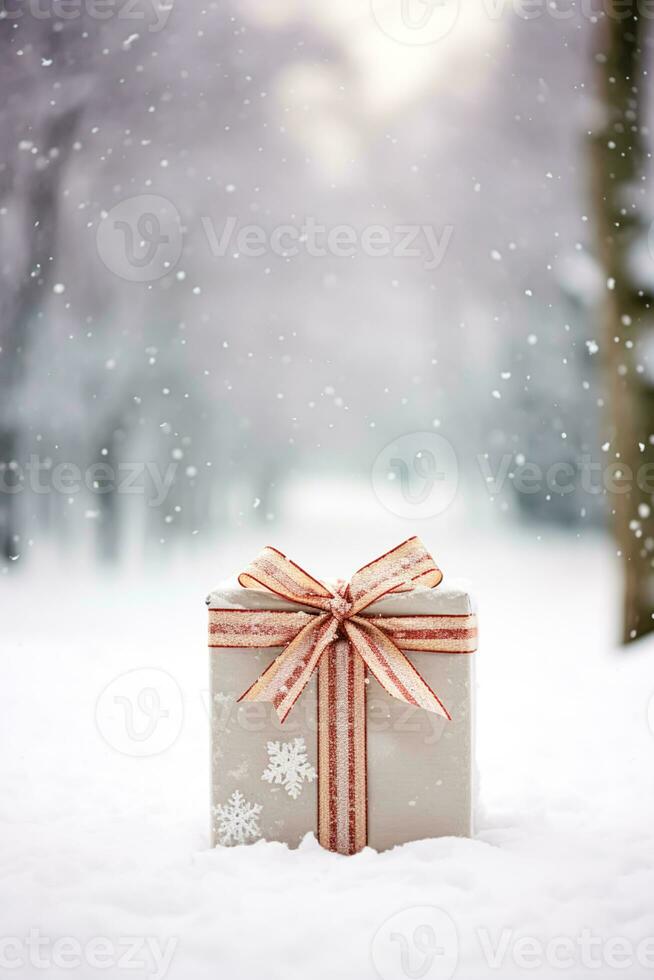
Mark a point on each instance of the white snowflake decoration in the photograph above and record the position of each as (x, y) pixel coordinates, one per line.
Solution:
(237, 820)
(288, 766)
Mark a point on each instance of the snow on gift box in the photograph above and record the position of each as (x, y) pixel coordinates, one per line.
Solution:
(342, 710)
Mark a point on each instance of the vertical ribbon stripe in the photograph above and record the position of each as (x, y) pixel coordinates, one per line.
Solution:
(342, 788)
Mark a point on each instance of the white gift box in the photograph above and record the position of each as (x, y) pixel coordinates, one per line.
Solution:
(419, 765)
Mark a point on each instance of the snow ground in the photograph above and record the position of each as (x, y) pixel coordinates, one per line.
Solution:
(98, 843)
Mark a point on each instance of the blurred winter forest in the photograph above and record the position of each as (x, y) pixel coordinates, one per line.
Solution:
(164, 378)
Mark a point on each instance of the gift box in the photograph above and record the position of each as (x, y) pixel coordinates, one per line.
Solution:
(342, 709)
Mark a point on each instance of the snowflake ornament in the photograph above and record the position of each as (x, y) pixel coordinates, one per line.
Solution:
(288, 766)
(237, 820)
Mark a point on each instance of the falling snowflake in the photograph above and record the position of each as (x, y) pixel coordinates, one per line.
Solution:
(237, 820)
(288, 766)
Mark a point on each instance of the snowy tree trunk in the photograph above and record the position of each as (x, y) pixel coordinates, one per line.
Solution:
(618, 156)
(108, 536)
(23, 300)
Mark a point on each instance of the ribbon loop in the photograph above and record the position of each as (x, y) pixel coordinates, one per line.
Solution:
(402, 569)
(273, 571)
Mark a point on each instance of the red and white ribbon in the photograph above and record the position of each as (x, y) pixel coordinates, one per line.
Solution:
(342, 644)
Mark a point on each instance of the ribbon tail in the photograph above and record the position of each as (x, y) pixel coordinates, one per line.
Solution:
(391, 667)
(287, 676)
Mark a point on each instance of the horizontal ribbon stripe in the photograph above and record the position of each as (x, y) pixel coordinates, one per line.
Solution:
(431, 634)
(259, 628)
(255, 627)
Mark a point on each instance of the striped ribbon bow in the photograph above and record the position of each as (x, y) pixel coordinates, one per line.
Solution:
(341, 643)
